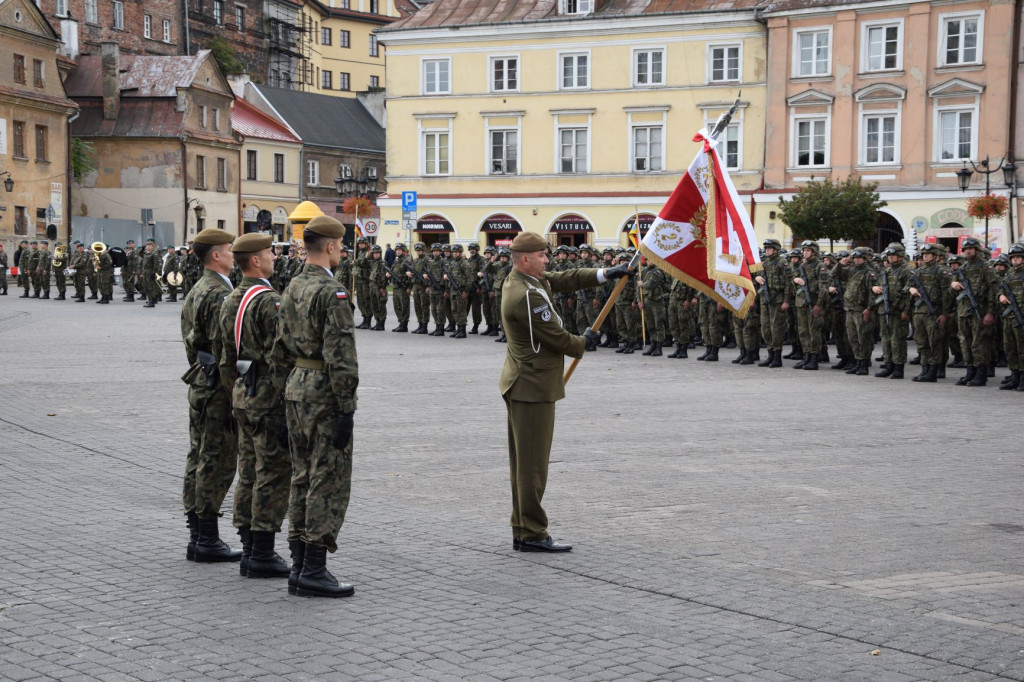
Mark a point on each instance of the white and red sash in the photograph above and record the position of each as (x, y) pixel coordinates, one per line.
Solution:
(248, 297)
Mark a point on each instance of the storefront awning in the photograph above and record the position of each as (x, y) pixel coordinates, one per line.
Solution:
(571, 224)
(501, 223)
(433, 223)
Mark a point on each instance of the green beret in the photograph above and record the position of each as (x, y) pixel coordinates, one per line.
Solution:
(326, 226)
(150, 239)
(33, 242)
(252, 242)
(529, 242)
(44, 242)
(215, 236)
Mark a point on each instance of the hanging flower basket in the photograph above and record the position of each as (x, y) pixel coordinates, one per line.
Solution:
(365, 206)
(987, 206)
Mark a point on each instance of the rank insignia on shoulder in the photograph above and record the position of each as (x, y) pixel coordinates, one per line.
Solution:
(540, 308)
(341, 295)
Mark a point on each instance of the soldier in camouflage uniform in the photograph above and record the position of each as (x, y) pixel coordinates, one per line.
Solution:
(432, 276)
(712, 326)
(316, 334)
(460, 276)
(105, 274)
(774, 281)
(210, 464)
(748, 335)
(420, 294)
(838, 274)
(129, 271)
(1013, 327)
(588, 305)
(3, 271)
(446, 258)
(475, 302)
(25, 267)
(41, 270)
(486, 282)
(249, 353)
(984, 286)
(378, 287)
(362, 270)
(91, 275)
(151, 267)
(192, 270)
(78, 258)
(400, 286)
(172, 264)
(342, 273)
(893, 282)
(932, 306)
(654, 285)
(60, 280)
(858, 299)
(807, 293)
(626, 312)
(682, 298)
(502, 269)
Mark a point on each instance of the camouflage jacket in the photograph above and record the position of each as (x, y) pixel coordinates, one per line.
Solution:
(378, 275)
(316, 324)
(817, 285)
(680, 293)
(362, 266)
(43, 263)
(343, 273)
(151, 264)
(463, 274)
(897, 278)
(934, 280)
(857, 294)
(402, 279)
(984, 286)
(777, 278)
(258, 331)
(200, 325)
(654, 285)
(172, 264)
(3, 260)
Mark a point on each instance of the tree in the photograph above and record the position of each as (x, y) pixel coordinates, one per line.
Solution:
(229, 64)
(837, 211)
(83, 158)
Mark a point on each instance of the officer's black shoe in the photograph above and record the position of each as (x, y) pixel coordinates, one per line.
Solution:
(886, 370)
(438, 331)
(966, 378)
(956, 363)
(298, 552)
(475, 329)
(803, 362)
(751, 357)
(980, 378)
(264, 562)
(1012, 384)
(862, 370)
(545, 545)
(713, 355)
(915, 361)
(210, 548)
(315, 580)
(93, 297)
(192, 521)
(812, 361)
(739, 358)
(897, 371)
(245, 537)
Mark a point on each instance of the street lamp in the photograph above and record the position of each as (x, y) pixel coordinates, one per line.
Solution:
(8, 183)
(348, 185)
(1010, 178)
(963, 178)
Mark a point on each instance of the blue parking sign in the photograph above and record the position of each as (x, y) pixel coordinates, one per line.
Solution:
(408, 201)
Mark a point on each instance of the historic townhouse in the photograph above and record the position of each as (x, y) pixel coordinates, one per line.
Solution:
(563, 118)
(351, 58)
(900, 93)
(34, 113)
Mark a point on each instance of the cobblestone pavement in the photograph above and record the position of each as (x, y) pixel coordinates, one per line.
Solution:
(730, 522)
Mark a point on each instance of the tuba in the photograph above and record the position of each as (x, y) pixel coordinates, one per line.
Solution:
(59, 257)
(97, 249)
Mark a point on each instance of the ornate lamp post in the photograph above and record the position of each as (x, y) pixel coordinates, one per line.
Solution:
(963, 178)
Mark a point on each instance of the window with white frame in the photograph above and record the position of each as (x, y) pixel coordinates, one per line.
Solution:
(325, 80)
(374, 46)
(504, 74)
(956, 134)
(202, 116)
(648, 150)
(62, 8)
(216, 119)
(649, 67)
(312, 173)
(879, 138)
(344, 80)
(119, 15)
(813, 52)
(724, 63)
(810, 142)
(218, 12)
(436, 152)
(147, 26)
(572, 150)
(882, 46)
(240, 18)
(91, 12)
(167, 31)
(436, 77)
(960, 38)
(575, 6)
(504, 150)
(575, 71)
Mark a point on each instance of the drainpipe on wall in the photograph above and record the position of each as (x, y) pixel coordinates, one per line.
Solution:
(188, 40)
(69, 179)
(184, 185)
(1016, 64)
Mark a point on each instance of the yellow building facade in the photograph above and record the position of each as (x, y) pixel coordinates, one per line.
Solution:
(566, 125)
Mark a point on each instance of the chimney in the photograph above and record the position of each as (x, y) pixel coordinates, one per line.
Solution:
(111, 80)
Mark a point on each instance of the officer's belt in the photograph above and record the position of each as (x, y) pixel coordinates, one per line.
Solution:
(307, 363)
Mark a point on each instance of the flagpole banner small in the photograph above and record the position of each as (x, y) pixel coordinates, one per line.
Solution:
(703, 235)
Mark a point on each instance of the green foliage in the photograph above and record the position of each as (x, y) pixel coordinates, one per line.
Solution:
(224, 53)
(839, 211)
(83, 158)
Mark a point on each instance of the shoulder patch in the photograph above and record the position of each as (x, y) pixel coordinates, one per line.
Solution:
(546, 315)
(541, 308)
(341, 295)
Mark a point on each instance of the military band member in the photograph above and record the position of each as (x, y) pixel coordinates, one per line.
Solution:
(248, 326)
(151, 269)
(60, 280)
(90, 273)
(78, 263)
(316, 333)
(172, 265)
(3, 271)
(31, 260)
(210, 463)
(105, 275)
(129, 271)
(531, 380)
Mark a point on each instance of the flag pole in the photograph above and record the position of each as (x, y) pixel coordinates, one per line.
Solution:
(608, 305)
(640, 279)
(355, 252)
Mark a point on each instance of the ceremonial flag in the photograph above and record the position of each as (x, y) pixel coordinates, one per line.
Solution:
(634, 234)
(359, 227)
(703, 235)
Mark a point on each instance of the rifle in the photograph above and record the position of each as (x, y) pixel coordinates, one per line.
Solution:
(839, 297)
(433, 282)
(451, 277)
(1014, 308)
(923, 293)
(765, 290)
(968, 292)
(804, 288)
(394, 278)
(484, 279)
(884, 298)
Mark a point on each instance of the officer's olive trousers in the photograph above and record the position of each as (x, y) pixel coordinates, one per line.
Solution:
(809, 328)
(400, 299)
(210, 465)
(421, 301)
(530, 428)
(264, 470)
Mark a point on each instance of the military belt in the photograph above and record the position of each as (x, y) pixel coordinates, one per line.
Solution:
(307, 363)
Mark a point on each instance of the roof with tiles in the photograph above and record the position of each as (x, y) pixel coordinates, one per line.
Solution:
(251, 122)
(340, 122)
(141, 76)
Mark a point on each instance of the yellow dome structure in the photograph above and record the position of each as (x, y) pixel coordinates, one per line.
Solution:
(302, 214)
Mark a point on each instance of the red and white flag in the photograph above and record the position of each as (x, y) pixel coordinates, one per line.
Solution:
(703, 235)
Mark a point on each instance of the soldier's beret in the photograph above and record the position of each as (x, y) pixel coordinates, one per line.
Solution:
(214, 236)
(251, 243)
(33, 242)
(326, 226)
(150, 239)
(529, 242)
(43, 241)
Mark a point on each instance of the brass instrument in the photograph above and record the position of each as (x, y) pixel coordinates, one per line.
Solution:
(59, 257)
(97, 248)
(175, 279)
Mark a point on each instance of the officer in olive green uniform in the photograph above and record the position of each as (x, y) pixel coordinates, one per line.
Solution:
(105, 274)
(210, 464)
(248, 327)
(316, 334)
(983, 285)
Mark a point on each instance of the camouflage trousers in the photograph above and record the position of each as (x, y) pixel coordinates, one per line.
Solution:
(90, 278)
(476, 304)
(400, 300)
(893, 331)
(625, 322)
(129, 284)
(60, 280)
(421, 303)
(460, 307)
(748, 330)
(79, 285)
(809, 329)
(264, 470)
(951, 338)
(974, 341)
(1013, 344)
(929, 338)
(836, 321)
(773, 325)
(654, 318)
(378, 303)
(490, 312)
(42, 281)
(363, 298)
(106, 283)
(437, 308)
(860, 334)
(210, 464)
(321, 475)
(712, 323)
(680, 323)
(567, 311)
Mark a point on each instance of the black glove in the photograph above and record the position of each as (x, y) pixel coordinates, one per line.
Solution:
(342, 430)
(591, 336)
(617, 272)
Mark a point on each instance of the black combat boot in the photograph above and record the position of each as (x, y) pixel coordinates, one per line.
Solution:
(475, 329)
(93, 297)
(315, 580)
(365, 324)
(704, 356)
(450, 327)
(656, 349)
(402, 327)
(174, 298)
(210, 548)
(438, 331)
(933, 374)
(1013, 383)
(812, 361)
(897, 371)
(130, 298)
(460, 332)
(79, 299)
(916, 360)
(298, 552)
(803, 362)
(739, 358)
(626, 348)
(379, 327)
(676, 353)
(104, 300)
(777, 358)
(767, 362)
(886, 370)
(752, 357)
(941, 370)
(853, 366)
(192, 521)
(649, 350)
(46, 294)
(991, 370)
(980, 377)
(713, 355)
(956, 363)
(823, 355)
(487, 331)
(796, 352)
(60, 297)
(924, 371)
(1000, 360)
(150, 304)
(264, 562)
(422, 329)
(862, 369)
(843, 363)
(36, 295)
(245, 537)
(501, 336)
(967, 377)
